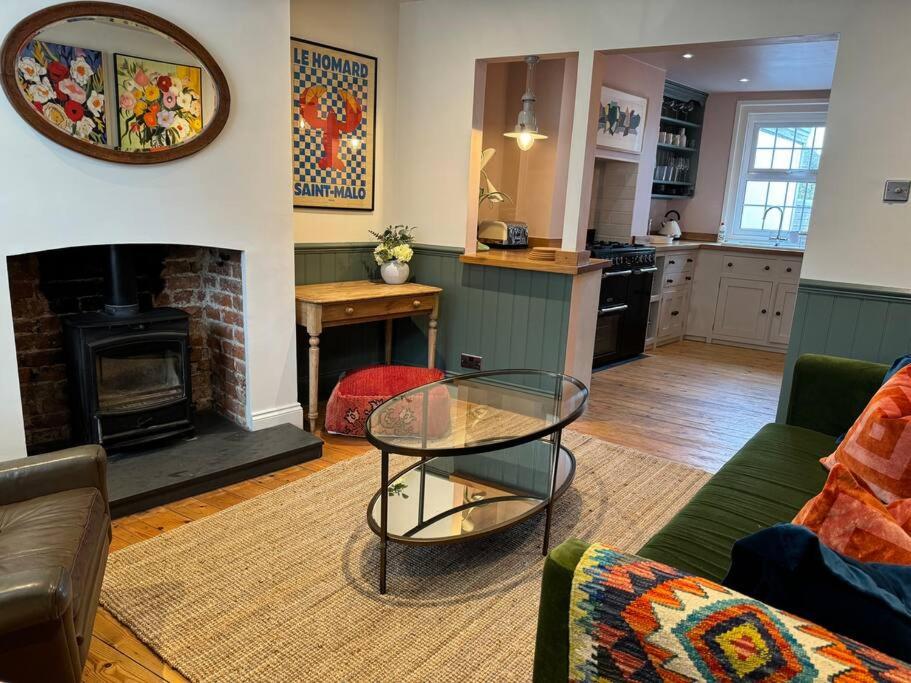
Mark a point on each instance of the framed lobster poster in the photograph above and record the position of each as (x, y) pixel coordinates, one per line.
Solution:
(334, 104)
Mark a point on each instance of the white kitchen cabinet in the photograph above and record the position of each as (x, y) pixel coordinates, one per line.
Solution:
(742, 312)
(672, 318)
(783, 313)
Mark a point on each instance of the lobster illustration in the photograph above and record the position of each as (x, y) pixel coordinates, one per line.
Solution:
(331, 126)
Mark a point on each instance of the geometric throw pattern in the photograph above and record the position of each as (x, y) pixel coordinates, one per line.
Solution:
(633, 619)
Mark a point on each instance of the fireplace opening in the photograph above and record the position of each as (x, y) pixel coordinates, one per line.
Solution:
(121, 345)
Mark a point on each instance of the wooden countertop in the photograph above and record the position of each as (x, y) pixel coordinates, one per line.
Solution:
(682, 245)
(518, 259)
(358, 290)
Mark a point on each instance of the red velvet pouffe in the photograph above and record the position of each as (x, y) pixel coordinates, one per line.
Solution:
(359, 393)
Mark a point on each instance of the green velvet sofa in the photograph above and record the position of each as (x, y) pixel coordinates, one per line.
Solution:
(765, 483)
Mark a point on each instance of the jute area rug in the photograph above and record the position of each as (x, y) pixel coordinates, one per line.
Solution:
(283, 587)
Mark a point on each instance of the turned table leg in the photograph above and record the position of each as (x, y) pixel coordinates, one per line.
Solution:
(432, 336)
(313, 408)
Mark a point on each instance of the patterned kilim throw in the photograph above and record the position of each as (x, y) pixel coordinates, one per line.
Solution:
(632, 619)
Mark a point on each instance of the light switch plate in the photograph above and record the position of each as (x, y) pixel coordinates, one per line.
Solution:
(897, 190)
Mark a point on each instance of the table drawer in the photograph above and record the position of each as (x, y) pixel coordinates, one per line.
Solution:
(377, 308)
(679, 263)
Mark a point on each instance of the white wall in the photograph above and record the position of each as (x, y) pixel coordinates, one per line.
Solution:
(441, 40)
(369, 27)
(236, 194)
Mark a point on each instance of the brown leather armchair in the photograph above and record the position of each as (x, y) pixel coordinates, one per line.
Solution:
(55, 530)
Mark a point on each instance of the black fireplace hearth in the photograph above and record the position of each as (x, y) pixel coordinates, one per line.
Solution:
(128, 370)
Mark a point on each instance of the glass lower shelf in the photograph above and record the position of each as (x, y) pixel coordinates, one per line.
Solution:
(452, 498)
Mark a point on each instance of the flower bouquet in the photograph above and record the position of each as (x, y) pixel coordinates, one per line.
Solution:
(393, 253)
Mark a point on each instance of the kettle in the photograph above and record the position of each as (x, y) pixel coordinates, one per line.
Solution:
(670, 227)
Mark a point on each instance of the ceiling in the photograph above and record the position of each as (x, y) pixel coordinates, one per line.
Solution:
(776, 66)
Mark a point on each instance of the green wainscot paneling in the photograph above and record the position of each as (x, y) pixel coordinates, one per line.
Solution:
(852, 321)
(512, 318)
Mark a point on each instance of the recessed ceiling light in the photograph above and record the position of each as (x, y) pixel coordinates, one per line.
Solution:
(687, 55)
(744, 80)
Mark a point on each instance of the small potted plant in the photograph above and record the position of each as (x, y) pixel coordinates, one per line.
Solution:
(394, 252)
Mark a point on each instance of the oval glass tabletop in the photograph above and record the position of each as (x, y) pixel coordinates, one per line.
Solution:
(477, 412)
(452, 498)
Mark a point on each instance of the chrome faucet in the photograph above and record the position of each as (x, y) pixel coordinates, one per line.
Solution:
(780, 209)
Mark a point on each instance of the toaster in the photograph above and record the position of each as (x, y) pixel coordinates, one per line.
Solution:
(502, 235)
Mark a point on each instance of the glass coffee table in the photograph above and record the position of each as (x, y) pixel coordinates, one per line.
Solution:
(488, 456)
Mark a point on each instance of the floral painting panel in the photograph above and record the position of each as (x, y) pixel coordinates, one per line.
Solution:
(159, 104)
(65, 84)
(621, 120)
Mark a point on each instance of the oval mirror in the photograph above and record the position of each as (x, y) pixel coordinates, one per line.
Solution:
(114, 82)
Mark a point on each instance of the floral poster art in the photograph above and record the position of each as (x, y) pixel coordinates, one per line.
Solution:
(65, 84)
(159, 104)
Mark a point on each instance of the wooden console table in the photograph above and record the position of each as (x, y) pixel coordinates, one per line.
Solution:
(332, 304)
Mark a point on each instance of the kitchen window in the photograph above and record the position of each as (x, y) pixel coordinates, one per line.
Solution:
(772, 183)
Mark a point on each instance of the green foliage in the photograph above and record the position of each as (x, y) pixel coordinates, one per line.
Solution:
(394, 235)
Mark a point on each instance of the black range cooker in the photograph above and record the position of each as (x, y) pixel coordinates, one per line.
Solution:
(626, 288)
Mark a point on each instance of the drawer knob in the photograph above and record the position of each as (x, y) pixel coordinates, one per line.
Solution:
(777, 312)
(688, 277)
(730, 265)
(689, 260)
(672, 262)
(788, 269)
(416, 303)
(767, 268)
(675, 312)
(764, 311)
(670, 281)
(349, 310)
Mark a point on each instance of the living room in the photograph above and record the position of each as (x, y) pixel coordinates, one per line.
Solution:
(221, 539)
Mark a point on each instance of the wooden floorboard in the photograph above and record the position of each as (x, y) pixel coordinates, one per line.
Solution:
(690, 402)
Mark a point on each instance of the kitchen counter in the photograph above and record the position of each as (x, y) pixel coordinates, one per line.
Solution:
(681, 245)
(518, 259)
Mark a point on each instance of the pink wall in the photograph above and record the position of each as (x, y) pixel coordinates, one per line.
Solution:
(702, 213)
(637, 78)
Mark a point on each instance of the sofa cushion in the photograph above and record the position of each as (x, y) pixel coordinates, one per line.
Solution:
(60, 531)
(765, 483)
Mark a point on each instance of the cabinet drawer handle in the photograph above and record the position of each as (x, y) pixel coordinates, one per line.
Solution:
(777, 312)
(767, 268)
(688, 277)
(675, 312)
(416, 303)
(764, 311)
(689, 260)
(670, 281)
(788, 269)
(672, 262)
(730, 265)
(349, 310)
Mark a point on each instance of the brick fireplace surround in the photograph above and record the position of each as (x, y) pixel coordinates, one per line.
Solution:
(47, 286)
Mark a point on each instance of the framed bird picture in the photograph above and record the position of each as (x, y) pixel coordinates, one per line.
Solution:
(621, 120)
(334, 121)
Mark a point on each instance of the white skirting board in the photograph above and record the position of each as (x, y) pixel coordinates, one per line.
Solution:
(289, 414)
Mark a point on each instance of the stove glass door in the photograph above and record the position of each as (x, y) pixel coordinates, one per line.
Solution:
(139, 376)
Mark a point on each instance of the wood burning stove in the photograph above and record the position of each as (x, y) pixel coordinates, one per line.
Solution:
(128, 370)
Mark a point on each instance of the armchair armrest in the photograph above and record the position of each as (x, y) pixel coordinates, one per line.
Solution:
(29, 598)
(42, 475)
(829, 393)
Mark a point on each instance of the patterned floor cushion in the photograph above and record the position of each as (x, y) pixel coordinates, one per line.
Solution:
(633, 619)
(358, 393)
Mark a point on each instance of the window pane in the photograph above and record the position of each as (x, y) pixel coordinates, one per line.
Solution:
(763, 158)
(777, 192)
(755, 192)
(782, 159)
(813, 161)
(803, 137)
(820, 136)
(766, 137)
(784, 138)
(790, 195)
(752, 218)
(801, 159)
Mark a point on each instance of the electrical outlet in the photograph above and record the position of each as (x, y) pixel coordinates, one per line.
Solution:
(897, 190)
(471, 362)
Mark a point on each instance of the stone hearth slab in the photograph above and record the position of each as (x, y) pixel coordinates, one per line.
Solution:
(221, 453)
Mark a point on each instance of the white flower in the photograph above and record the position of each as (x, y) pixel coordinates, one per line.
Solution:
(402, 253)
(72, 89)
(131, 86)
(380, 255)
(41, 92)
(80, 70)
(96, 103)
(30, 69)
(84, 127)
(184, 100)
(181, 126)
(54, 113)
(195, 109)
(176, 83)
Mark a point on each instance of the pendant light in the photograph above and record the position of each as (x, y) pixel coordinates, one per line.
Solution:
(526, 131)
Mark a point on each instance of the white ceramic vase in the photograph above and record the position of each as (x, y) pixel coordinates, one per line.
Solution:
(394, 272)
